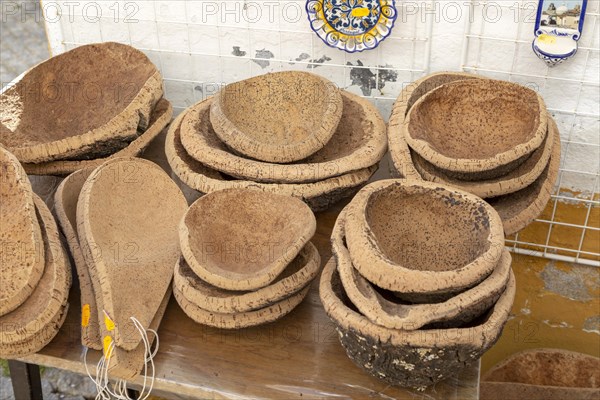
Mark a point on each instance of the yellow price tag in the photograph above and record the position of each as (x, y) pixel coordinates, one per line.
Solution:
(110, 325)
(549, 39)
(360, 12)
(85, 315)
(106, 346)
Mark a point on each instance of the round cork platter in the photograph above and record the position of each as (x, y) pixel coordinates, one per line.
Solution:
(318, 195)
(134, 279)
(261, 316)
(419, 237)
(242, 239)
(97, 117)
(454, 312)
(417, 358)
(462, 128)
(21, 244)
(358, 142)
(299, 273)
(277, 117)
(160, 118)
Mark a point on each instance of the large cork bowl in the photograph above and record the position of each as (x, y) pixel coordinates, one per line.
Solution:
(385, 309)
(242, 239)
(419, 237)
(477, 128)
(116, 87)
(127, 217)
(359, 142)
(280, 117)
(410, 358)
(21, 245)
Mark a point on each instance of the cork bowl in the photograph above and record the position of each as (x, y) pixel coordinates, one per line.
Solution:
(477, 128)
(279, 117)
(242, 239)
(385, 309)
(413, 236)
(99, 115)
(410, 358)
(359, 142)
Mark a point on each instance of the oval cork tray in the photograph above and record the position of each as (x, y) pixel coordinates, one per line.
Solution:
(410, 358)
(240, 320)
(318, 195)
(242, 239)
(127, 217)
(477, 126)
(49, 297)
(419, 237)
(160, 118)
(21, 244)
(454, 312)
(299, 273)
(278, 117)
(358, 142)
(517, 179)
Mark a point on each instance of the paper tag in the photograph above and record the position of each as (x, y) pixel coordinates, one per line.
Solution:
(110, 325)
(548, 39)
(360, 12)
(85, 315)
(106, 346)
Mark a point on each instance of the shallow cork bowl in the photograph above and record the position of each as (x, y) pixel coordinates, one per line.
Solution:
(477, 128)
(65, 209)
(518, 179)
(160, 118)
(385, 310)
(400, 163)
(299, 273)
(131, 205)
(114, 78)
(419, 237)
(280, 117)
(261, 316)
(519, 209)
(242, 239)
(44, 306)
(21, 245)
(318, 195)
(358, 142)
(410, 358)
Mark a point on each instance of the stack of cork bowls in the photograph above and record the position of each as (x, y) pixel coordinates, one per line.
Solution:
(100, 100)
(35, 274)
(420, 284)
(288, 133)
(491, 138)
(247, 258)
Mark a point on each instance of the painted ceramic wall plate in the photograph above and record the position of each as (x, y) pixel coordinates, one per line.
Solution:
(352, 25)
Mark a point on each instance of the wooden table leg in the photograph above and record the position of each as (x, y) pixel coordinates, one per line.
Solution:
(26, 380)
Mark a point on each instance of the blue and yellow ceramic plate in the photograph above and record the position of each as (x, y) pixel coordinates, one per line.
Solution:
(352, 25)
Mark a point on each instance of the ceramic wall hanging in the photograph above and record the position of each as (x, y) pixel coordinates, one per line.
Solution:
(558, 27)
(352, 25)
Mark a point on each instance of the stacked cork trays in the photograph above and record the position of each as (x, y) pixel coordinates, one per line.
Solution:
(288, 133)
(420, 284)
(247, 258)
(491, 138)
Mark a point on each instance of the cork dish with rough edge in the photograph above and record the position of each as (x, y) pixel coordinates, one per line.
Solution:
(134, 205)
(261, 316)
(517, 179)
(400, 163)
(414, 359)
(21, 249)
(318, 195)
(65, 208)
(389, 312)
(160, 118)
(413, 236)
(76, 129)
(277, 117)
(299, 273)
(477, 128)
(242, 239)
(519, 209)
(358, 142)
